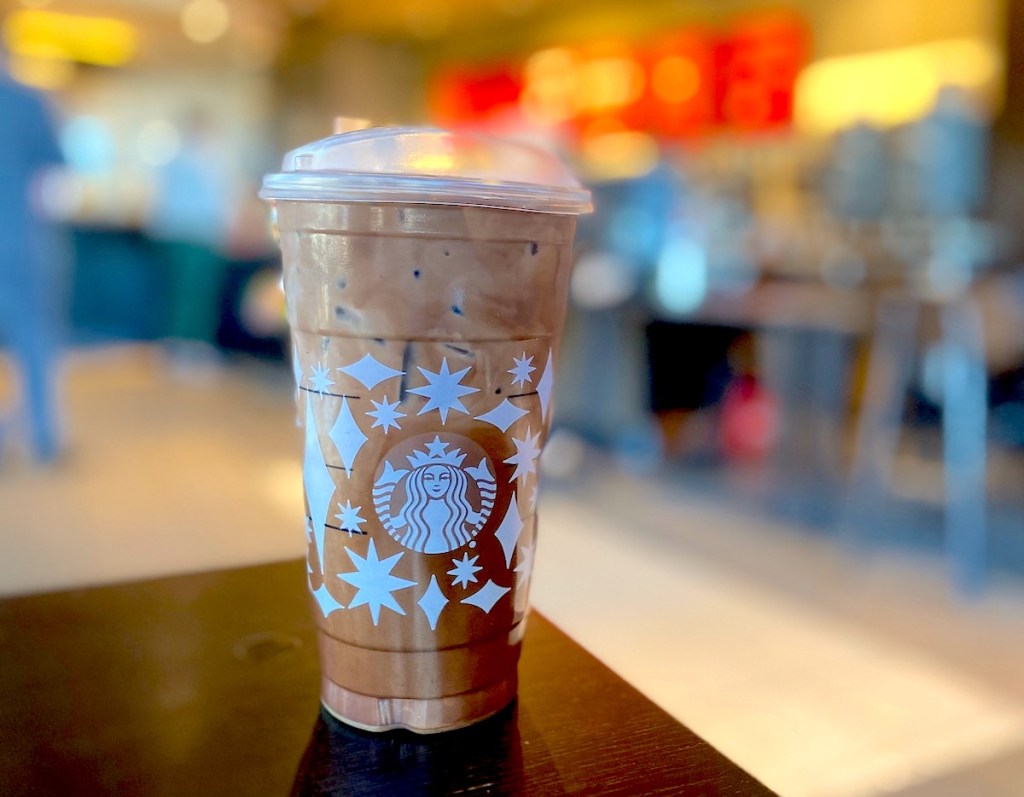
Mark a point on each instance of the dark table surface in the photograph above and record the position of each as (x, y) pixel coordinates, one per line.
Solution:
(207, 685)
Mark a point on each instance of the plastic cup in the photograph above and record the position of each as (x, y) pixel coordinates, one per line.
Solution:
(426, 276)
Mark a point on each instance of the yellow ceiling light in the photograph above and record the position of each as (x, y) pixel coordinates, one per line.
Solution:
(894, 87)
(205, 21)
(104, 41)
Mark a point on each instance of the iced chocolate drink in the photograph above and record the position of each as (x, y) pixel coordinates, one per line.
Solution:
(425, 312)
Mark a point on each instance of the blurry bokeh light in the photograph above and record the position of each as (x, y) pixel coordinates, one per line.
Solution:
(607, 83)
(61, 194)
(893, 87)
(675, 79)
(601, 281)
(618, 154)
(158, 142)
(103, 41)
(634, 232)
(550, 86)
(681, 276)
(89, 146)
(205, 21)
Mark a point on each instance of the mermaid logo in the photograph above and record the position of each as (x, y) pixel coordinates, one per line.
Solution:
(437, 504)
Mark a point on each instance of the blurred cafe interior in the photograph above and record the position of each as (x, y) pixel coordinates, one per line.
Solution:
(791, 399)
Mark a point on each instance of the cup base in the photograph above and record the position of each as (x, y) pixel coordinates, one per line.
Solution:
(419, 715)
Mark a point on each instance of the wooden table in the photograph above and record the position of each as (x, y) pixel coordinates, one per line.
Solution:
(207, 685)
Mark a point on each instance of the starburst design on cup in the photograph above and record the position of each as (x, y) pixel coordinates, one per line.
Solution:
(374, 582)
(522, 369)
(525, 458)
(465, 571)
(524, 569)
(349, 520)
(444, 391)
(387, 414)
(320, 381)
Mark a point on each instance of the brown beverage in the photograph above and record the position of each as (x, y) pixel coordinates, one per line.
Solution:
(425, 333)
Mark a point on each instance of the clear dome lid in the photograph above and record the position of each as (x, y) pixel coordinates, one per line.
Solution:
(427, 165)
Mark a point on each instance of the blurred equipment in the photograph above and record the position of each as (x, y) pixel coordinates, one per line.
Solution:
(945, 249)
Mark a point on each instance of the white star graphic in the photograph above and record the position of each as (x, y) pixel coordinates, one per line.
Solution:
(522, 369)
(465, 570)
(387, 414)
(525, 567)
(319, 380)
(374, 582)
(525, 458)
(444, 391)
(436, 447)
(349, 518)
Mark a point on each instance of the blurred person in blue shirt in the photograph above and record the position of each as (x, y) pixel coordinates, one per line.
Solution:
(189, 219)
(31, 287)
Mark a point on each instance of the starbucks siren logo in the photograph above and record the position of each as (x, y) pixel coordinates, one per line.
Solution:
(437, 503)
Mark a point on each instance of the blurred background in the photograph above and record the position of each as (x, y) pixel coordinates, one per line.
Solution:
(802, 287)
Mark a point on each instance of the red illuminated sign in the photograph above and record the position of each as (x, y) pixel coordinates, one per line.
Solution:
(690, 82)
(755, 70)
(463, 93)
